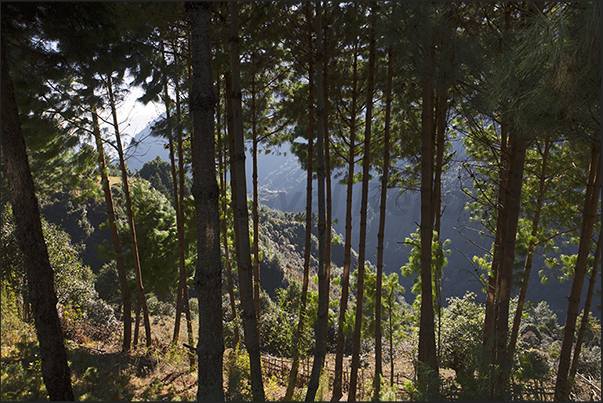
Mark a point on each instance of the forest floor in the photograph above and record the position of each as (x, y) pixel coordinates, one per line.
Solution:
(101, 371)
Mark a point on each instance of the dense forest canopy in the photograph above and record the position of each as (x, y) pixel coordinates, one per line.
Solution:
(495, 105)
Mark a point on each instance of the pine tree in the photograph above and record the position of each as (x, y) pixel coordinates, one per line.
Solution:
(208, 275)
(239, 199)
(42, 297)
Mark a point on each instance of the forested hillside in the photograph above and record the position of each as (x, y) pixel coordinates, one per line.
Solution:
(433, 232)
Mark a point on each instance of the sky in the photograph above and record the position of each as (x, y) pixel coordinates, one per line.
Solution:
(133, 116)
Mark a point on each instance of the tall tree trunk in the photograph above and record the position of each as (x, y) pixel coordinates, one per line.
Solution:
(381, 233)
(121, 267)
(239, 190)
(124, 177)
(224, 223)
(514, 184)
(176, 206)
(585, 314)
(391, 337)
(254, 205)
(441, 110)
(28, 229)
(589, 214)
(208, 274)
(180, 216)
(366, 169)
(490, 313)
(531, 247)
(322, 316)
(345, 279)
(308, 246)
(427, 359)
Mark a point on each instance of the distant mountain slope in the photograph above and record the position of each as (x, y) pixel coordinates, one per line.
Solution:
(282, 185)
(144, 148)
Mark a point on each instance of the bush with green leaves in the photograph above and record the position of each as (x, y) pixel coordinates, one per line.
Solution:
(462, 330)
(78, 301)
(541, 320)
(279, 321)
(532, 365)
(156, 236)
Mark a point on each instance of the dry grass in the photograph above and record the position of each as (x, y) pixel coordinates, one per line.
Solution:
(162, 372)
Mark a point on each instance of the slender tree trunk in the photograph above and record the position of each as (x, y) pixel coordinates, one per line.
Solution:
(239, 190)
(322, 316)
(307, 250)
(224, 223)
(366, 169)
(137, 321)
(490, 314)
(381, 233)
(440, 126)
(176, 207)
(345, 279)
(391, 337)
(593, 190)
(585, 314)
(28, 229)
(531, 247)
(124, 177)
(515, 180)
(121, 267)
(180, 217)
(427, 359)
(208, 274)
(254, 206)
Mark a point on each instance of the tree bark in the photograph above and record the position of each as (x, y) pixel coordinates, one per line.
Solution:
(208, 274)
(239, 190)
(254, 204)
(366, 169)
(224, 223)
(514, 184)
(490, 314)
(322, 319)
(121, 267)
(381, 233)
(176, 207)
(124, 177)
(180, 216)
(345, 279)
(307, 249)
(441, 110)
(28, 229)
(531, 247)
(593, 189)
(427, 359)
(585, 314)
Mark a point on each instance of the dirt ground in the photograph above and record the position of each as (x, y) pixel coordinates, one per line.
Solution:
(161, 373)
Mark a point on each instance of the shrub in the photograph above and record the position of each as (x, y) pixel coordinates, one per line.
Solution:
(462, 322)
(78, 300)
(590, 361)
(237, 369)
(532, 365)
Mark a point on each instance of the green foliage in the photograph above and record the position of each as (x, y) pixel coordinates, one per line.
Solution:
(107, 283)
(78, 301)
(532, 365)
(462, 325)
(541, 321)
(22, 381)
(438, 261)
(159, 174)
(156, 236)
(157, 307)
(279, 321)
(237, 375)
